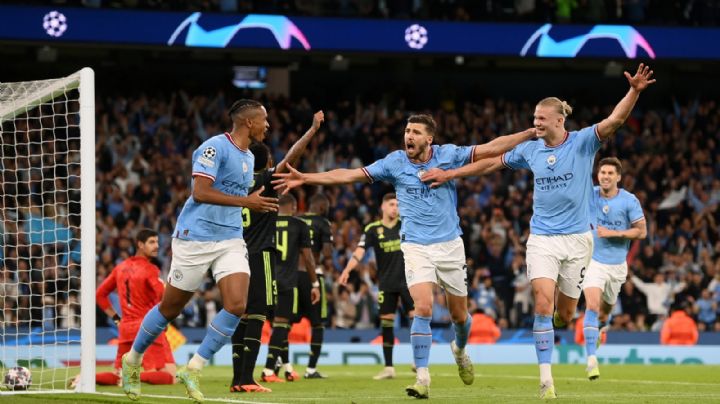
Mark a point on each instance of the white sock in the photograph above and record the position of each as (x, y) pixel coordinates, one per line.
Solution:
(310, 370)
(423, 376)
(268, 372)
(197, 362)
(134, 358)
(592, 361)
(289, 367)
(545, 374)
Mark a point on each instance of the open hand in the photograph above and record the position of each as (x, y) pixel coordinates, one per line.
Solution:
(289, 180)
(436, 177)
(260, 203)
(642, 78)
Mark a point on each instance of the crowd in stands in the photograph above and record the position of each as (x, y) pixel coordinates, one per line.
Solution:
(657, 12)
(670, 156)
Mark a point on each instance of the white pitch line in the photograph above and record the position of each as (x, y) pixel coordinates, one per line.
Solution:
(219, 400)
(628, 381)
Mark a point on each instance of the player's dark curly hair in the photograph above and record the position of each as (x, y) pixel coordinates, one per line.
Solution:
(144, 234)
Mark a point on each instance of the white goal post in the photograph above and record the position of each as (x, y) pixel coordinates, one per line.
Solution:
(47, 231)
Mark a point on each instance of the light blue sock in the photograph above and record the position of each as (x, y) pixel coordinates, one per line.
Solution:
(590, 329)
(544, 338)
(152, 325)
(421, 340)
(462, 332)
(218, 333)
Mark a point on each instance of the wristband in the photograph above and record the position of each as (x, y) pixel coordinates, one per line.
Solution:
(316, 284)
(116, 319)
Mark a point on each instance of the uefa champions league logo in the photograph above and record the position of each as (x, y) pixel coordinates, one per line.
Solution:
(416, 36)
(626, 36)
(55, 24)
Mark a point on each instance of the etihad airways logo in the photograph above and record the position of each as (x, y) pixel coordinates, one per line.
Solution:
(553, 182)
(627, 36)
(280, 26)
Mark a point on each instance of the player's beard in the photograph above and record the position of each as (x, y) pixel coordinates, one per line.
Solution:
(418, 151)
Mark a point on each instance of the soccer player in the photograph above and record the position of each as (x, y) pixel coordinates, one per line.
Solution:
(137, 281)
(618, 219)
(560, 244)
(293, 240)
(259, 233)
(383, 236)
(209, 236)
(430, 240)
(322, 248)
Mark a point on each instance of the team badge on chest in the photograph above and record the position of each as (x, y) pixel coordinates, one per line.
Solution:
(606, 209)
(421, 172)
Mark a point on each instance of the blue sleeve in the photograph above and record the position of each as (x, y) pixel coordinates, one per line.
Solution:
(380, 170)
(206, 159)
(515, 158)
(635, 211)
(588, 140)
(457, 155)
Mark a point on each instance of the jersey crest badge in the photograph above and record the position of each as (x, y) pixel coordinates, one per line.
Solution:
(421, 172)
(245, 167)
(606, 209)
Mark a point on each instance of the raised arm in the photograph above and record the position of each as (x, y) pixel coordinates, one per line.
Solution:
(502, 144)
(299, 147)
(639, 82)
(437, 176)
(294, 178)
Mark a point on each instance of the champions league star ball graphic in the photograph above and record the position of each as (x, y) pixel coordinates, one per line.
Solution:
(416, 36)
(55, 24)
(18, 378)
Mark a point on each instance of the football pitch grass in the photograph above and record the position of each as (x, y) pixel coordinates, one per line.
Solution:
(493, 384)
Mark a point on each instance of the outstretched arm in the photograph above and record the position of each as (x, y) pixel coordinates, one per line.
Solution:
(639, 82)
(299, 147)
(294, 178)
(502, 144)
(203, 192)
(437, 176)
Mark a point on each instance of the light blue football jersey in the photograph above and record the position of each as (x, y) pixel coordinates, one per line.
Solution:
(616, 213)
(231, 170)
(562, 180)
(428, 215)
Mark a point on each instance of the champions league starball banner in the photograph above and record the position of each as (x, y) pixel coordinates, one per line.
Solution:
(50, 25)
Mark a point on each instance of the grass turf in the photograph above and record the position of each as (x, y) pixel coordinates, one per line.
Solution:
(493, 383)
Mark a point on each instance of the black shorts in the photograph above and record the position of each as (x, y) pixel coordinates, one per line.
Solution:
(286, 300)
(388, 301)
(262, 293)
(316, 313)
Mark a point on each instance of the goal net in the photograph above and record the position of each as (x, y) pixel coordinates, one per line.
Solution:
(47, 224)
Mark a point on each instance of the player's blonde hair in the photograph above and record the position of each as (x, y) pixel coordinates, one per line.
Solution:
(560, 106)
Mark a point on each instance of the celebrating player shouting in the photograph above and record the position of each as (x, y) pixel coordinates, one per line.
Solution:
(560, 244)
(430, 232)
(209, 236)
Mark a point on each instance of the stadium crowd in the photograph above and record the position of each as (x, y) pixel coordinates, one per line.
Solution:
(144, 144)
(657, 12)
